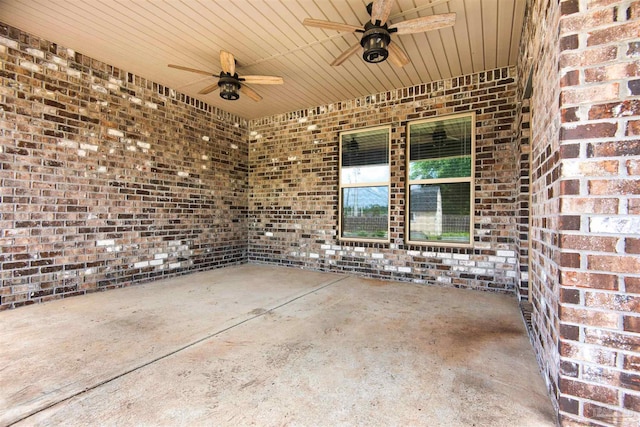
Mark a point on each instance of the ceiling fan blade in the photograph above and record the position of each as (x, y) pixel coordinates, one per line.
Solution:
(380, 10)
(263, 80)
(347, 53)
(228, 62)
(328, 25)
(193, 70)
(425, 23)
(209, 89)
(397, 56)
(250, 92)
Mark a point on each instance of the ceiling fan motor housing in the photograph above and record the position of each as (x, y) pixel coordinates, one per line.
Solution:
(375, 40)
(229, 86)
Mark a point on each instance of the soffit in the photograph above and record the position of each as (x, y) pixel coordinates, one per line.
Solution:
(267, 38)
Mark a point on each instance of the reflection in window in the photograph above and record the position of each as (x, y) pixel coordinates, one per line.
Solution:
(364, 184)
(440, 187)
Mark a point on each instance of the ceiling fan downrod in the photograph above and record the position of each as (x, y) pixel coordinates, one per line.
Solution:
(375, 40)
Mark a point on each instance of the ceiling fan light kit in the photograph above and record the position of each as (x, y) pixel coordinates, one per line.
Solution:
(229, 86)
(375, 41)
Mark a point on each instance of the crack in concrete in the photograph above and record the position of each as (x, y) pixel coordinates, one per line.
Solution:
(178, 350)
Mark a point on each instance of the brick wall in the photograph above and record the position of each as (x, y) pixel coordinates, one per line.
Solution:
(109, 179)
(586, 193)
(293, 185)
(538, 51)
(600, 211)
(522, 149)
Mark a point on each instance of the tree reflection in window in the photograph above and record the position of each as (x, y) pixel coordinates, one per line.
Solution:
(440, 189)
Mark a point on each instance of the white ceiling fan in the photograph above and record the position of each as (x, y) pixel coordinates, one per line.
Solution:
(376, 34)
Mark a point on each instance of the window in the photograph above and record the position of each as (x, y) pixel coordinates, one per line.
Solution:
(441, 165)
(364, 185)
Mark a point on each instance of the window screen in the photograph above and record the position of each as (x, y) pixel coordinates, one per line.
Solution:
(364, 184)
(440, 154)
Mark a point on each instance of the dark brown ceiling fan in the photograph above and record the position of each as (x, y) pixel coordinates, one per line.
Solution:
(229, 82)
(376, 37)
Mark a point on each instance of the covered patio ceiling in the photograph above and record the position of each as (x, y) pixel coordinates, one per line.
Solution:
(267, 37)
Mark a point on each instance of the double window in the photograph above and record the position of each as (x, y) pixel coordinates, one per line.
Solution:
(440, 189)
(364, 185)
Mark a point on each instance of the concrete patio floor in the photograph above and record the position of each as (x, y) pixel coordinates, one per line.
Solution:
(263, 345)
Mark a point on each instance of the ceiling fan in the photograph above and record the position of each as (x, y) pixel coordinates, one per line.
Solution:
(229, 82)
(376, 37)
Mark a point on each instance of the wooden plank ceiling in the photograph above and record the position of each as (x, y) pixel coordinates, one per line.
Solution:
(267, 38)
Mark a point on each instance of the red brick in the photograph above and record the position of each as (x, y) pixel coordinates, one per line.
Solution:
(570, 260)
(630, 381)
(589, 95)
(581, 58)
(614, 110)
(613, 302)
(613, 340)
(588, 131)
(569, 222)
(633, 167)
(602, 375)
(617, 186)
(614, 149)
(589, 280)
(633, 128)
(616, 264)
(631, 402)
(631, 363)
(632, 284)
(632, 245)
(601, 319)
(616, 34)
(593, 243)
(569, 332)
(631, 324)
(571, 406)
(592, 392)
(610, 72)
(590, 19)
(569, 42)
(569, 115)
(589, 205)
(633, 12)
(570, 78)
(569, 295)
(569, 368)
(569, 187)
(569, 151)
(569, 7)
